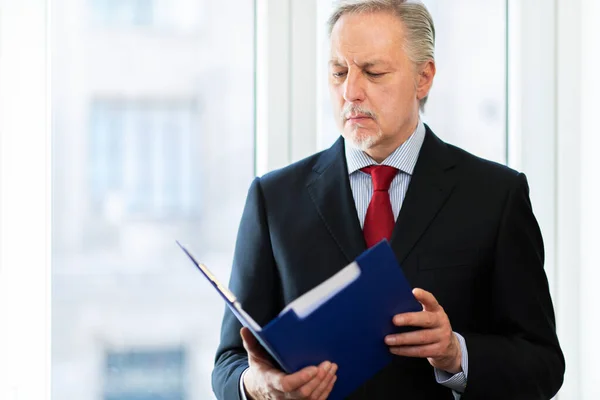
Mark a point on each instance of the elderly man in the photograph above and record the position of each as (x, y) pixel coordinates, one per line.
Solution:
(461, 227)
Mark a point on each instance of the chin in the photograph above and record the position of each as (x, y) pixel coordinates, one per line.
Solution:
(363, 140)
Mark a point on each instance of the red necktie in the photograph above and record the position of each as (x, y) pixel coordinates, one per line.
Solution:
(379, 221)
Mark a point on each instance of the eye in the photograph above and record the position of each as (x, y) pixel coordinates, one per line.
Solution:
(339, 74)
(374, 75)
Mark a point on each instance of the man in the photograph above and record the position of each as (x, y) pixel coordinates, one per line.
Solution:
(461, 227)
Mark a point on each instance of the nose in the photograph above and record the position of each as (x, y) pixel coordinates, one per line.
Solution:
(354, 90)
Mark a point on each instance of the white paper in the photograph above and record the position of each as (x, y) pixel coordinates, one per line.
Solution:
(317, 296)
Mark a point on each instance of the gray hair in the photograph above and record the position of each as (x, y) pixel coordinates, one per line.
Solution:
(419, 43)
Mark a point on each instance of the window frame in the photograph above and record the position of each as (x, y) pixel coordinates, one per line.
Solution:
(286, 103)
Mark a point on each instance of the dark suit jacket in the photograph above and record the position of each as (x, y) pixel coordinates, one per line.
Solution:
(465, 232)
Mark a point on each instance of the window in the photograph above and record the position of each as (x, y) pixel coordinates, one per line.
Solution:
(467, 103)
(177, 15)
(141, 157)
(145, 375)
(123, 12)
(152, 142)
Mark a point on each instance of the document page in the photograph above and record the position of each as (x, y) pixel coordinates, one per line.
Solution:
(317, 296)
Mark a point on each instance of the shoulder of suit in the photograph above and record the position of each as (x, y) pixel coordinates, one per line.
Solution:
(481, 168)
(469, 164)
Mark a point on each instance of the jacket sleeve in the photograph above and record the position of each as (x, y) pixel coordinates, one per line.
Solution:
(521, 357)
(254, 281)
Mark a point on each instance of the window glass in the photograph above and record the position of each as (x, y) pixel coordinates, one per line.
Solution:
(153, 141)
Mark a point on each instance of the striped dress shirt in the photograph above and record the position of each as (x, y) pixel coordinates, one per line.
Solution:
(404, 159)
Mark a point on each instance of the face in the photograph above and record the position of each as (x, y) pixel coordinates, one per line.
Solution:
(375, 88)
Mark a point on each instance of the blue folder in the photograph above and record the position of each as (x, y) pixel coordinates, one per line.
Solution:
(348, 328)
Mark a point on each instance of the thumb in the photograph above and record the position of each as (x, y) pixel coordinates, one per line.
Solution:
(427, 299)
(252, 345)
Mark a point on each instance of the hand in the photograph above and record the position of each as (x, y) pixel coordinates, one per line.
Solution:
(263, 380)
(436, 341)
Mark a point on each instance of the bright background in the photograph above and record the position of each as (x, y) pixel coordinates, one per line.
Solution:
(161, 114)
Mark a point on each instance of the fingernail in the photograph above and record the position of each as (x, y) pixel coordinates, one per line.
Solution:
(333, 369)
(327, 366)
(390, 340)
(312, 372)
(398, 320)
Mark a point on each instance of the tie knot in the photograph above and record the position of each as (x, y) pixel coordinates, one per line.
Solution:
(382, 176)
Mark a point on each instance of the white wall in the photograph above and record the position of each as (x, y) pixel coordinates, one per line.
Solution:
(568, 190)
(24, 202)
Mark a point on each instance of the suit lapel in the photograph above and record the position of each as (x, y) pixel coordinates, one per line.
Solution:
(429, 188)
(331, 194)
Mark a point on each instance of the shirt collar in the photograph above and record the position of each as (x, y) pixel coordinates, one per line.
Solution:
(403, 158)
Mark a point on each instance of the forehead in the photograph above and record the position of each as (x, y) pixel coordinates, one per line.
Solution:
(367, 37)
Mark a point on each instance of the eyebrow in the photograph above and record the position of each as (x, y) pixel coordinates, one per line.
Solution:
(336, 63)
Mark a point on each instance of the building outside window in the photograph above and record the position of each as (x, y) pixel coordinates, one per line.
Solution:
(153, 141)
(146, 375)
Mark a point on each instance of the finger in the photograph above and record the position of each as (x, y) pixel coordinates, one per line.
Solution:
(256, 353)
(427, 299)
(420, 337)
(425, 351)
(328, 390)
(423, 319)
(307, 389)
(324, 384)
(323, 391)
(292, 382)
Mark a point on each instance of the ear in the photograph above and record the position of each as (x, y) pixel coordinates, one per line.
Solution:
(425, 78)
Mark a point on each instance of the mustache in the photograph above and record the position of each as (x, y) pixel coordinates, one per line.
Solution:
(353, 109)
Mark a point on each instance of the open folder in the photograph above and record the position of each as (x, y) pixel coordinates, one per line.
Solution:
(343, 320)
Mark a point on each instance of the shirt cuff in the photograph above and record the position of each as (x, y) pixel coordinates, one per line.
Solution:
(242, 391)
(456, 382)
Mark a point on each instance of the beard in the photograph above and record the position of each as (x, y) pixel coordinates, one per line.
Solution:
(362, 138)
(359, 136)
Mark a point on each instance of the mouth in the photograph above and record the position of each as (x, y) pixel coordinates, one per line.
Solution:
(357, 118)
